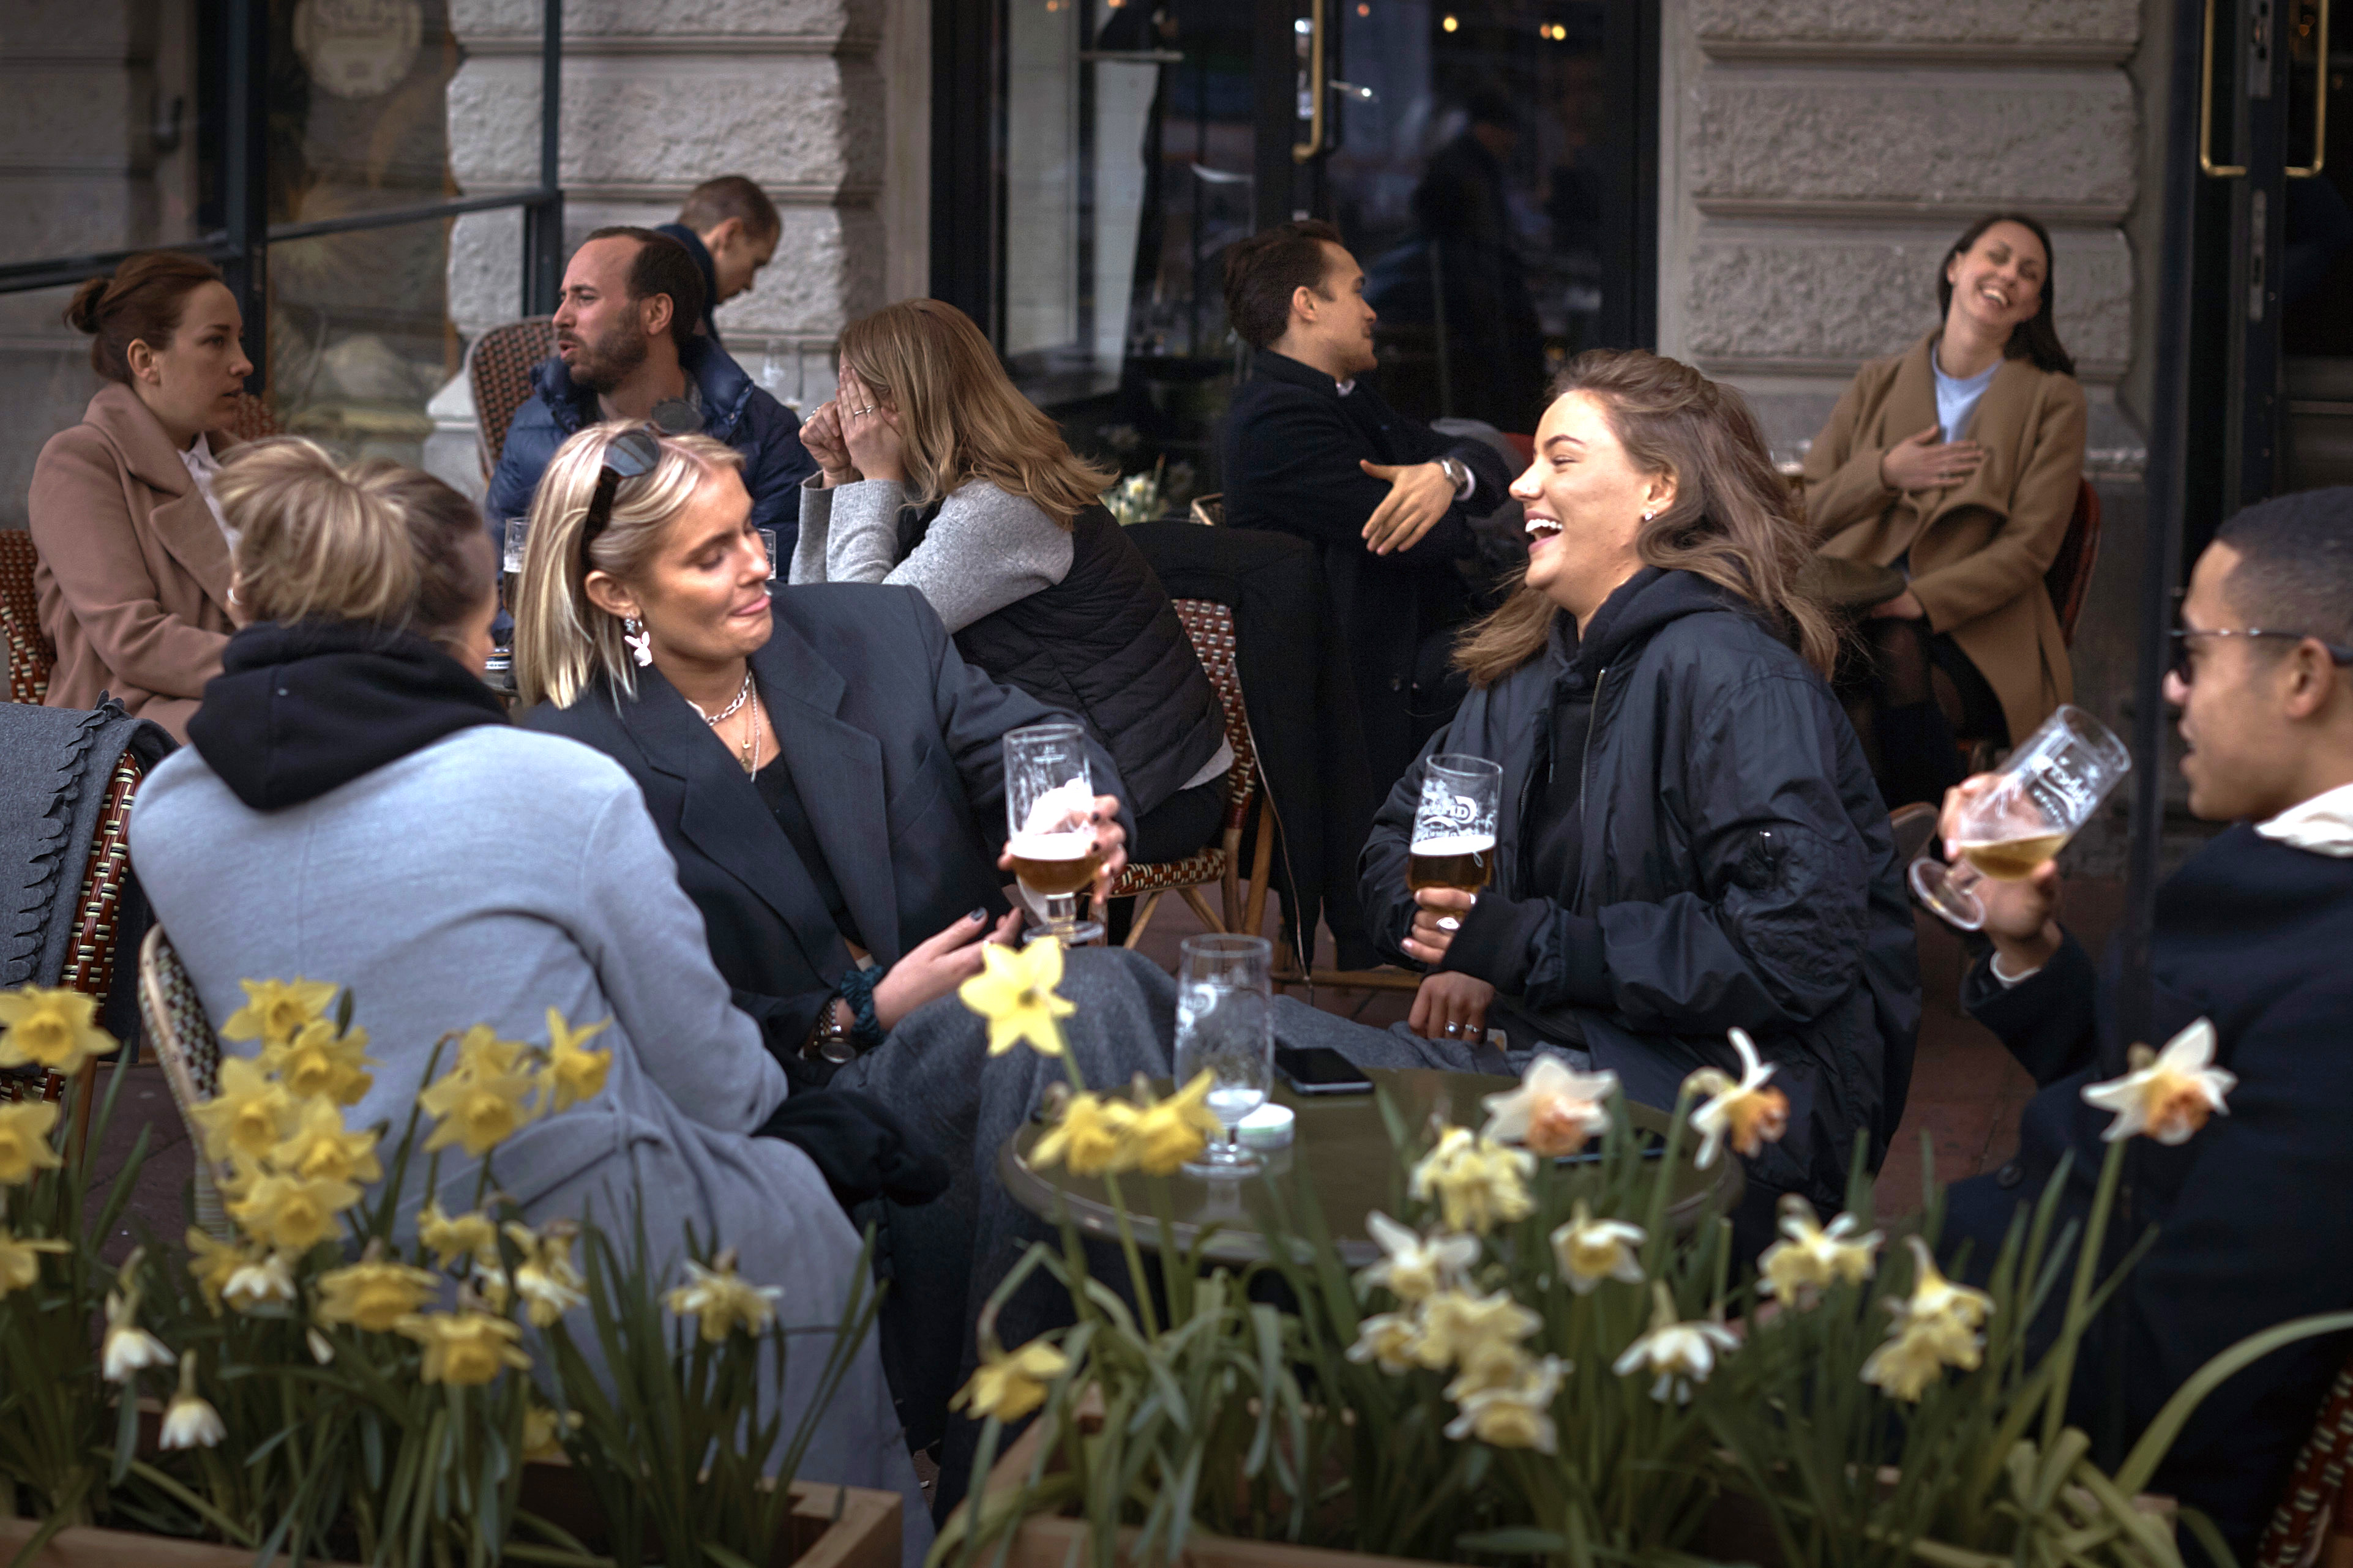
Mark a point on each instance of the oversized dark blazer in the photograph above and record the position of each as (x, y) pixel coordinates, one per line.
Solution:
(1979, 548)
(894, 744)
(133, 574)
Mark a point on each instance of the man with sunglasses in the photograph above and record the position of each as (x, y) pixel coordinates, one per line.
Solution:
(2253, 1220)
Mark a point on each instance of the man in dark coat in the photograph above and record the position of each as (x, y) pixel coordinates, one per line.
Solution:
(730, 228)
(1312, 451)
(626, 348)
(2254, 933)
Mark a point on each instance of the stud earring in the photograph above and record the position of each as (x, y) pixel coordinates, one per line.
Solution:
(1649, 515)
(640, 641)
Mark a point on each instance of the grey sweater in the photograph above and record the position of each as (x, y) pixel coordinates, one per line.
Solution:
(985, 549)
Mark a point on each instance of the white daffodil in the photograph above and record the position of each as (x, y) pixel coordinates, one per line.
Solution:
(1745, 1114)
(129, 1349)
(1478, 1183)
(1815, 1255)
(2168, 1096)
(190, 1421)
(1387, 1340)
(1414, 1269)
(1681, 1354)
(1590, 1250)
(1555, 1109)
(258, 1282)
(1515, 1415)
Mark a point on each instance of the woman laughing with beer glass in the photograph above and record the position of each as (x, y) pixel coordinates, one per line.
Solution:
(828, 774)
(1651, 823)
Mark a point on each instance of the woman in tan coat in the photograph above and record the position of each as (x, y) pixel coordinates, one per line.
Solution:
(1958, 461)
(134, 559)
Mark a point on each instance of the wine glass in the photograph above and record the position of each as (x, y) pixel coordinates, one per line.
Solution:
(2041, 796)
(1454, 828)
(1049, 806)
(1225, 1027)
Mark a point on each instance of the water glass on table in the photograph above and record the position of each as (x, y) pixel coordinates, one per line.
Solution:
(1225, 1027)
(1454, 828)
(2045, 792)
(1049, 822)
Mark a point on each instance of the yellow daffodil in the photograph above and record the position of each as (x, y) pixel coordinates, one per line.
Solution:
(293, 1214)
(374, 1296)
(128, 1349)
(319, 1062)
(1815, 1257)
(1388, 1340)
(213, 1263)
(1095, 1136)
(1590, 1250)
(545, 1279)
(262, 1280)
(1937, 1327)
(20, 1258)
(1905, 1365)
(1015, 992)
(1554, 1112)
(52, 1029)
(320, 1150)
(25, 1146)
(1681, 1354)
(543, 1430)
(1170, 1131)
(1010, 1386)
(252, 1115)
(1461, 1330)
(1747, 1114)
(1515, 1412)
(576, 1073)
(464, 1348)
(1479, 1184)
(1414, 1269)
(481, 1101)
(1496, 1365)
(2167, 1097)
(721, 1303)
(276, 1010)
(469, 1236)
(190, 1422)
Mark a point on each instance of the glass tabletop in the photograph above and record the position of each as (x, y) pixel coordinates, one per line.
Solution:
(1340, 1157)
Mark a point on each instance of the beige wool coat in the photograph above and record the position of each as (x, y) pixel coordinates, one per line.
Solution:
(1979, 548)
(134, 575)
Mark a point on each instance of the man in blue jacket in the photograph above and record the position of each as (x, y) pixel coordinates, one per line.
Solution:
(626, 348)
(2256, 934)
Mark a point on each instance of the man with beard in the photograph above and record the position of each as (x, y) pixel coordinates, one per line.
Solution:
(626, 348)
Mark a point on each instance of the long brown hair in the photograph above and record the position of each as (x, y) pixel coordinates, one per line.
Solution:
(2037, 337)
(1733, 522)
(959, 415)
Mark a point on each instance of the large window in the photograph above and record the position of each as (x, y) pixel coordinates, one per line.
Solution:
(303, 145)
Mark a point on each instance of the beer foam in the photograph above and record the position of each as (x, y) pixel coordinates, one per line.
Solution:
(1051, 846)
(1053, 811)
(1459, 844)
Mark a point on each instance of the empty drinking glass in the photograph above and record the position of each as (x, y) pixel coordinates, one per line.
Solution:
(768, 544)
(1225, 1027)
(518, 537)
(2047, 789)
(1050, 805)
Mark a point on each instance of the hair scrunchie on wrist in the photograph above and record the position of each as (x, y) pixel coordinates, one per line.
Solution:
(856, 988)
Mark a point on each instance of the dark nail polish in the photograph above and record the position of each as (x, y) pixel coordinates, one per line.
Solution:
(979, 914)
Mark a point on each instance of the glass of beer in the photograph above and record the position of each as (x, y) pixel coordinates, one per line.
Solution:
(1050, 805)
(518, 537)
(2047, 789)
(1454, 827)
(1225, 1027)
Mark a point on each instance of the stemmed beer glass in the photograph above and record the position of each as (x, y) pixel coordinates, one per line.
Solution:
(1454, 827)
(2041, 796)
(1050, 804)
(1225, 1027)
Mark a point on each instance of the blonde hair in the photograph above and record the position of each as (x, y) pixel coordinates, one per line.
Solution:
(562, 642)
(959, 415)
(1734, 520)
(370, 540)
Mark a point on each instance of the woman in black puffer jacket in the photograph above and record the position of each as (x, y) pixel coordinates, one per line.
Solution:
(1690, 839)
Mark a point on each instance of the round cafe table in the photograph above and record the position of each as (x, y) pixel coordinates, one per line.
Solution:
(1341, 1155)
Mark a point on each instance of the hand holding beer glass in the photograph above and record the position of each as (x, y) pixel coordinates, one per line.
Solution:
(2037, 801)
(1050, 822)
(1453, 856)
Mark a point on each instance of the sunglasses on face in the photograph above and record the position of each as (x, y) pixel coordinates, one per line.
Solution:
(2181, 668)
(632, 454)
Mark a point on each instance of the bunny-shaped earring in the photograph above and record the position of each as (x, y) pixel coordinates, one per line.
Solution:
(640, 641)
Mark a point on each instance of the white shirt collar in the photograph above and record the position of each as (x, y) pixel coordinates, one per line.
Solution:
(203, 466)
(2323, 824)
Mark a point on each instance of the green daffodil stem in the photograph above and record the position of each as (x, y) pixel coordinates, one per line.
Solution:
(2087, 1265)
(1135, 1273)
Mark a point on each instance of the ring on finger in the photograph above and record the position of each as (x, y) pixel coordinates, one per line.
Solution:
(1454, 1029)
(1449, 923)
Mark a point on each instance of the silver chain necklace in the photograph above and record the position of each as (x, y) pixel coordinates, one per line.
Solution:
(743, 694)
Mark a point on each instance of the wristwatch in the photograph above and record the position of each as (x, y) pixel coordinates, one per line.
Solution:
(1457, 472)
(829, 1039)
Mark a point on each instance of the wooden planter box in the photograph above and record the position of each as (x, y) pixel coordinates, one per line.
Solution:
(830, 1526)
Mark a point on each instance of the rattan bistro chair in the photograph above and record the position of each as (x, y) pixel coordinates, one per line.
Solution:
(498, 369)
(189, 1053)
(1211, 627)
(30, 656)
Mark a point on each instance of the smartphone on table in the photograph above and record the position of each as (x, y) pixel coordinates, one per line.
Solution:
(1319, 1069)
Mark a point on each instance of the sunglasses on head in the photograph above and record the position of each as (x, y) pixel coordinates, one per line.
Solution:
(2181, 669)
(632, 454)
